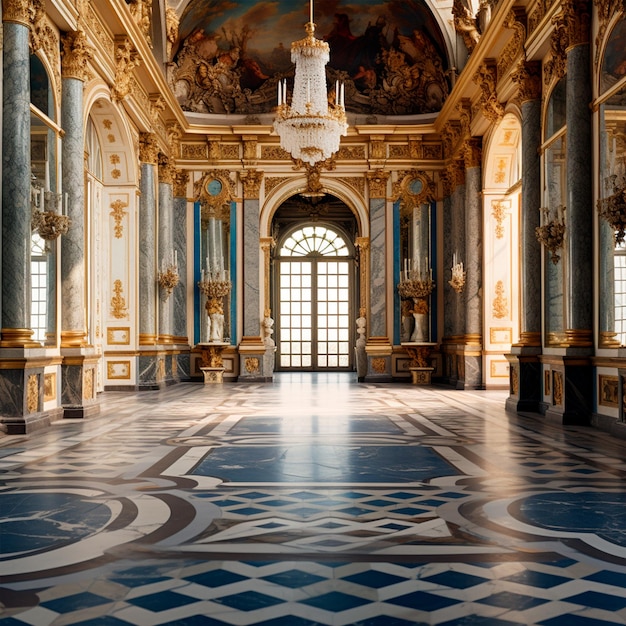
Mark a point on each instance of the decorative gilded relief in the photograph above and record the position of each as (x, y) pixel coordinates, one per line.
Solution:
(118, 370)
(498, 211)
(252, 365)
(118, 336)
(500, 302)
(500, 335)
(499, 369)
(557, 386)
(379, 365)
(514, 380)
(32, 393)
(118, 302)
(88, 384)
(546, 383)
(118, 213)
(49, 387)
(608, 391)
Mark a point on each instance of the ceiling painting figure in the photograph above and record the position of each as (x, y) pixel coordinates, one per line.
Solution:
(230, 55)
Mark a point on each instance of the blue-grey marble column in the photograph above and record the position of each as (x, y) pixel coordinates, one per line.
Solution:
(251, 347)
(179, 327)
(525, 369)
(148, 152)
(73, 277)
(444, 277)
(378, 268)
(458, 239)
(378, 347)
(16, 210)
(166, 255)
(580, 208)
(473, 374)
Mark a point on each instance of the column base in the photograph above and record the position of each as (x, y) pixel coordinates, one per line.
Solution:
(524, 379)
(78, 383)
(378, 351)
(252, 361)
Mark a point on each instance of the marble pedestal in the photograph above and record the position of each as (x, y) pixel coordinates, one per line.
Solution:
(419, 351)
(212, 366)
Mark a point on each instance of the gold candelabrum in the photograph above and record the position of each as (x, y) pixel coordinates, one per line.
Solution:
(168, 279)
(215, 285)
(551, 233)
(613, 207)
(48, 222)
(415, 285)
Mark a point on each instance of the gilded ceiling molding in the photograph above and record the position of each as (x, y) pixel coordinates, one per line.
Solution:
(351, 152)
(515, 20)
(607, 9)
(450, 135)
(174, 135)
(274, 153)
(171, 30)
(250, 147)
(148, 148)
(527, 77)
(465, 24)
(194, 151)
(126, 60)
(416, 148)
(377, 181)
(181, 180)
(399, 151)
(472, 152)
(251, 180)
(487, 78)
(141, 10)
(76, 55)
(378, 148)
(167, 169)
(464, 107)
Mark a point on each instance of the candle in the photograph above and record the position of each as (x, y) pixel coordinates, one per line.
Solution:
(337, 92)
(343, 93)
(311, 11)
(279, 94)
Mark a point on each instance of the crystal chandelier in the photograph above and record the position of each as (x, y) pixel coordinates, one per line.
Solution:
(310, 127)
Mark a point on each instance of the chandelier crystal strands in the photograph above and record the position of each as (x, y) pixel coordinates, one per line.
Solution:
(310, 127)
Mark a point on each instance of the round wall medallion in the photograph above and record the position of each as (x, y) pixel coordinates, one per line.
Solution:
(416, 186)
(214, 187)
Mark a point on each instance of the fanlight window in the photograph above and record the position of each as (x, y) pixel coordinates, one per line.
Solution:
(314, 241)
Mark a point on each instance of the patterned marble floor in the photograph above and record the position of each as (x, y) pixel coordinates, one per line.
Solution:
(312, 500)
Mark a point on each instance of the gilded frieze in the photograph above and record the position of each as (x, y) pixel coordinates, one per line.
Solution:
(515, 20)
(194, 151)
(96, 29)
(351, 152)
(272, 183)
(399, 151)
(274, 153)
(432, 151)
(231, 152)
(356, 182)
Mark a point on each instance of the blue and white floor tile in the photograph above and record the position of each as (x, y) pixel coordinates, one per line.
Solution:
(314, 500)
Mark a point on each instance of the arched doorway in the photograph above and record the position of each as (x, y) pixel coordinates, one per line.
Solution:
(314, 285)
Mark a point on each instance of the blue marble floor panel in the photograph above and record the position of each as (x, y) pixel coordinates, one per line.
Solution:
(312, 500)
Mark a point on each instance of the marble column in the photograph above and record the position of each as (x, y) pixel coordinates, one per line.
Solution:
(16, 210)
(251, 347)
(378, 347)
(165, 244)
(79, 373)
(575, 367)
(525, 369)
(147, 285)
(473, 339)
(179, 326)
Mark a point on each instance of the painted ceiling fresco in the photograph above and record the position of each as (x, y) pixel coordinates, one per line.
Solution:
(231, 55)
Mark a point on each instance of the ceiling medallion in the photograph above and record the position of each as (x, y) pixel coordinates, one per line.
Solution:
(310, 127)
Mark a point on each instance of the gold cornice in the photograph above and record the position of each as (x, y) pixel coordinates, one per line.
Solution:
(486, 77)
